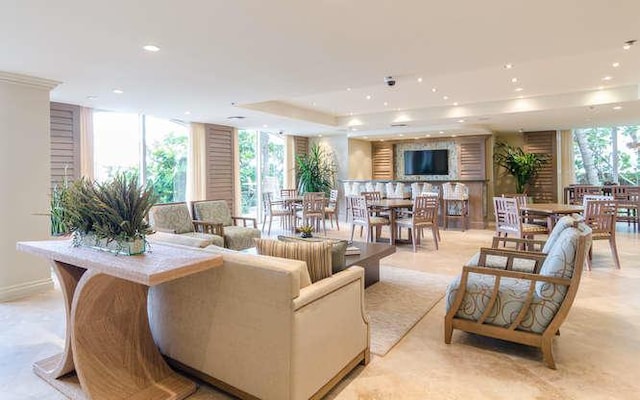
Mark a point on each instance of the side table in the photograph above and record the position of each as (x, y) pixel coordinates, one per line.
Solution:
(108, 341)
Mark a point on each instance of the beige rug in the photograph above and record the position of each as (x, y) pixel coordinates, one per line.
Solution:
(398, 302)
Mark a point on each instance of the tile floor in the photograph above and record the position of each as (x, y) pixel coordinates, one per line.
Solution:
(597, 354)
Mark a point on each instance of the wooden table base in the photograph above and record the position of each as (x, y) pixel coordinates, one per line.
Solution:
(108, 342)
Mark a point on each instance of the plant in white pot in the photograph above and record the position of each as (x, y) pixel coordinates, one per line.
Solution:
(109, 215)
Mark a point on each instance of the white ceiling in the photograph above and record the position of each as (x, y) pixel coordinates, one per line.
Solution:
(288, 64)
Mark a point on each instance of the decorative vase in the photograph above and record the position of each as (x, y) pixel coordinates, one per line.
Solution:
(123, 247)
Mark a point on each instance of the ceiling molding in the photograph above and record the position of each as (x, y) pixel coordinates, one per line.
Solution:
(293, 112)
(26, 80)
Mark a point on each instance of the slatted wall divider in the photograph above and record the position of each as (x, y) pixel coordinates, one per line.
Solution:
(382, 161)
(301, 145)
(544, 188)
(471, 160)
(220, 163)
(65, 142)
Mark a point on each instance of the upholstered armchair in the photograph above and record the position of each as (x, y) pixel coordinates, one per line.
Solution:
(174, 218)
(238, 232)
(522, 306)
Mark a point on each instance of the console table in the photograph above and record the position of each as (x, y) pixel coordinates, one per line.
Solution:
(108, 342)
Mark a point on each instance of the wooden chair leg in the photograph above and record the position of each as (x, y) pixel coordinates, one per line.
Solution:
(448, 331)
(547, 352)
(614, 251)
(414, 239)
(353, 229)
(434, 230)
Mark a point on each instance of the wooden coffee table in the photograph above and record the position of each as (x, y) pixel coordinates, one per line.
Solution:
(369, 259)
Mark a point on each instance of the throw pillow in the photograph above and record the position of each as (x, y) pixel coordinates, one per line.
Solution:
(317, 255)
(338, 249)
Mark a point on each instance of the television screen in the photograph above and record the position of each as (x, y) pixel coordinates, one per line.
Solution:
(426, 162)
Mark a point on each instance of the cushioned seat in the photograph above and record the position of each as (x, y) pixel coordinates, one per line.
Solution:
(174, 218)
(217, 212)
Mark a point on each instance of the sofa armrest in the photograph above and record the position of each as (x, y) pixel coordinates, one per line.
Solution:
(246, 221)
(328, 285)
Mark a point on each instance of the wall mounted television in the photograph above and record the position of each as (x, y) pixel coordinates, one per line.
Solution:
(426, 162)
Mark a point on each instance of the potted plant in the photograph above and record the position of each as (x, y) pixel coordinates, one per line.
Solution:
(109, 215)
(523, 166)
(305, 231)
(315, 172)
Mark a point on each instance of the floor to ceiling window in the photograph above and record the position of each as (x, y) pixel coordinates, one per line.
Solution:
(262, 168)
(607, 155)
(154, 148)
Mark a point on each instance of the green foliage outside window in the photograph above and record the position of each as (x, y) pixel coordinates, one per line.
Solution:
(167, 167)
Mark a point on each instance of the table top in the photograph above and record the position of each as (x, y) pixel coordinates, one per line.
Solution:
(162, 263)
(392, 203)
(552, 208)
(369, 250)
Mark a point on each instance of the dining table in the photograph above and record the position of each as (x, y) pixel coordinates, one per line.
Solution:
(551, 211)
(393, 205)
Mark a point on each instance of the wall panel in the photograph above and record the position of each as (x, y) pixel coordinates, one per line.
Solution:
(64, 124)
(219, 141)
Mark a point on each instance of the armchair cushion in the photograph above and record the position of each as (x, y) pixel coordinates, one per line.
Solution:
(214, 210)
(212, 239)
(511, 298)
(174, 217)
(317, 255)
(184, 240)
(240, 237)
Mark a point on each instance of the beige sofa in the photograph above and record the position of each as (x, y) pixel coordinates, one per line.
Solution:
(257, 328)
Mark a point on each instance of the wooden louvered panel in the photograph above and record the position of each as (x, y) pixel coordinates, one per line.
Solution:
(471, 158)
(544, 188)
(301, 145)
(65, 142)
(220, 164)
(382, 161)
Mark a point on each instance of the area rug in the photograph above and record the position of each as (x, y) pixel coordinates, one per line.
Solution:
(398, 302)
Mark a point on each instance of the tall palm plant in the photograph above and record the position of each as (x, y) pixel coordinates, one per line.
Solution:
(316, 171)
(523, 166)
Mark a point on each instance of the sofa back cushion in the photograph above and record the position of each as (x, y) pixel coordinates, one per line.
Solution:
(173, 217)
(212, 210)
(338, 249)
(317, 255)
(563, 223)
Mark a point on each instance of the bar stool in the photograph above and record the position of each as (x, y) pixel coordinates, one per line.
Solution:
(456, 203)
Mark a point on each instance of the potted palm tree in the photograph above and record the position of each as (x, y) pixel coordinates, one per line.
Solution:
(523, 166)
(316, 171)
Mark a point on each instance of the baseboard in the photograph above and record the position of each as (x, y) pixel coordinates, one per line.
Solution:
(25, 289)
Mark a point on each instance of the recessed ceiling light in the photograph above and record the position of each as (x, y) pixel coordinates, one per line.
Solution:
(313, 104)
(508, 66)
(368, 97)
(400, 135)
(187, 113)
(92, 97)
(615, 64)
(607, 78)
(454, 135)
(348, 89)
(445, 97)
(441, 132)
(351, 114)
(320, 135)
(398, 109)
(151, 48)
(521, 97)
(385, 104)
(617, 108)
(354, 129)
(427, 135)
(455, 103)
(419, 80)
(434, 90)
(461, 121)
(600, 87)
(118, 91)
(519, 89)
(415, 138)
(382, 140)
(265, 126)
(365, 137)
(514, 80)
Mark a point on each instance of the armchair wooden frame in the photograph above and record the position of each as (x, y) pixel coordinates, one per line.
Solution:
(247, 222)
(542, 340)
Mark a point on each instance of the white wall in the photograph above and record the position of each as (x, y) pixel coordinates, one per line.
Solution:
(360, 166)
(25, 181)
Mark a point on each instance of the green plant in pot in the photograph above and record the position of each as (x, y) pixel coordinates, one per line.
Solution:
(305, 231)
(109, 215)
(316, 171)
(523, 166)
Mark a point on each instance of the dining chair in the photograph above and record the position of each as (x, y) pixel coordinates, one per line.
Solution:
(424, 214)
(601, 215)
(311, 211)
(288, 193)
(331, 209)
(456, 203)
(579, 191)
(509, 220)
(272, 208)
(361, 216)
(628, 198)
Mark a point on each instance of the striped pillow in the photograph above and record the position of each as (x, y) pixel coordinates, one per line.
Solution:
(317, 255)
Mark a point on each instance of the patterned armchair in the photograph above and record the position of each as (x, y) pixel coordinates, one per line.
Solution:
(518, 306)
(174, 218)
(236, 236)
